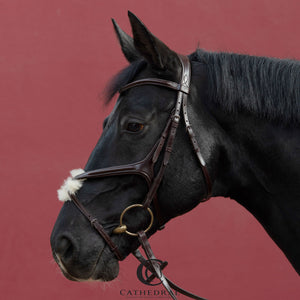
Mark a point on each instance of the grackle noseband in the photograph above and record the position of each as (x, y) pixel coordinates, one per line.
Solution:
(145, 168)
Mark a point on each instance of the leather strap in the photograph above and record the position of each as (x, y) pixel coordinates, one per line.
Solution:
(196, 148)
(143, 167)
(155, 81)
(94, 222)
(182, 94)
(156, 269)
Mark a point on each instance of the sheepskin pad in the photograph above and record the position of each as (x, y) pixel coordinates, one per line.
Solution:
(70, 186)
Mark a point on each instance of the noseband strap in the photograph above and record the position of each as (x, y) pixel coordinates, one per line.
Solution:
(95, 223)
(145, 168)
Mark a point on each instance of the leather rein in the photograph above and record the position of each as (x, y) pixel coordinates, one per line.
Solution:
(145, 168)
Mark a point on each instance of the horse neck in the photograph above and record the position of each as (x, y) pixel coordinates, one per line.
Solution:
(259, 168)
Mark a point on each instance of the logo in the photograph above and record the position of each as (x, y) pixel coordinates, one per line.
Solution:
(139, 294)
(146, 276)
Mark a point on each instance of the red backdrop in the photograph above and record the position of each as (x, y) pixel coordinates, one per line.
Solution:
(55, 59)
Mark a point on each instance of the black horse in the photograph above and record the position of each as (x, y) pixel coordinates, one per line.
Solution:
(245, 112)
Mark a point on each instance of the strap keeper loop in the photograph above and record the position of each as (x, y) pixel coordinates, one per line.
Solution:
(176, 118)
(93, 221)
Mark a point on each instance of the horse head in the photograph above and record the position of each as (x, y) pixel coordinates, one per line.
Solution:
(132, 133)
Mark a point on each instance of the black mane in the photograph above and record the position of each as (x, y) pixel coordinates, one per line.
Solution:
(266, 87)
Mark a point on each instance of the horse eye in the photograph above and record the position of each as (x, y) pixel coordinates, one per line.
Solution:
(134, 127)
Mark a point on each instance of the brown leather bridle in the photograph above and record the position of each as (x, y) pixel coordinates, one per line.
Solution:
(145, 168)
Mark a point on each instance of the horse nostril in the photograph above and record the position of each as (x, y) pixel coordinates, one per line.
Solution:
(64, 248)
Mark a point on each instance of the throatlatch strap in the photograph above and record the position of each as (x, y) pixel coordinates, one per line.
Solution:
(196, 148)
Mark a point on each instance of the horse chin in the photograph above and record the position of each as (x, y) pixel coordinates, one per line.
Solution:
(105, 269)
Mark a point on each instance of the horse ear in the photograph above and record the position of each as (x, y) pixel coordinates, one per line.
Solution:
(156, 52)
(126, 43)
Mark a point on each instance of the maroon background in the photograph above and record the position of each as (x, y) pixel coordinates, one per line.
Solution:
(55, 58)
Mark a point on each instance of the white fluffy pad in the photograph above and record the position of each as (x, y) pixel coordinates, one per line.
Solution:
(70, 186)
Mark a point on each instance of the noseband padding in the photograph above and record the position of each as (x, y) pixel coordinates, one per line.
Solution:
(70, 186)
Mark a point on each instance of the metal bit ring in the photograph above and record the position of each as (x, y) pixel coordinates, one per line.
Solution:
(123, 228)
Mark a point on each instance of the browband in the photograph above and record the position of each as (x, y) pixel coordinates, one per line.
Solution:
(156, 81)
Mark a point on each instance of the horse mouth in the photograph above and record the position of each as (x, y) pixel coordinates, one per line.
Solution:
(104, 269)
